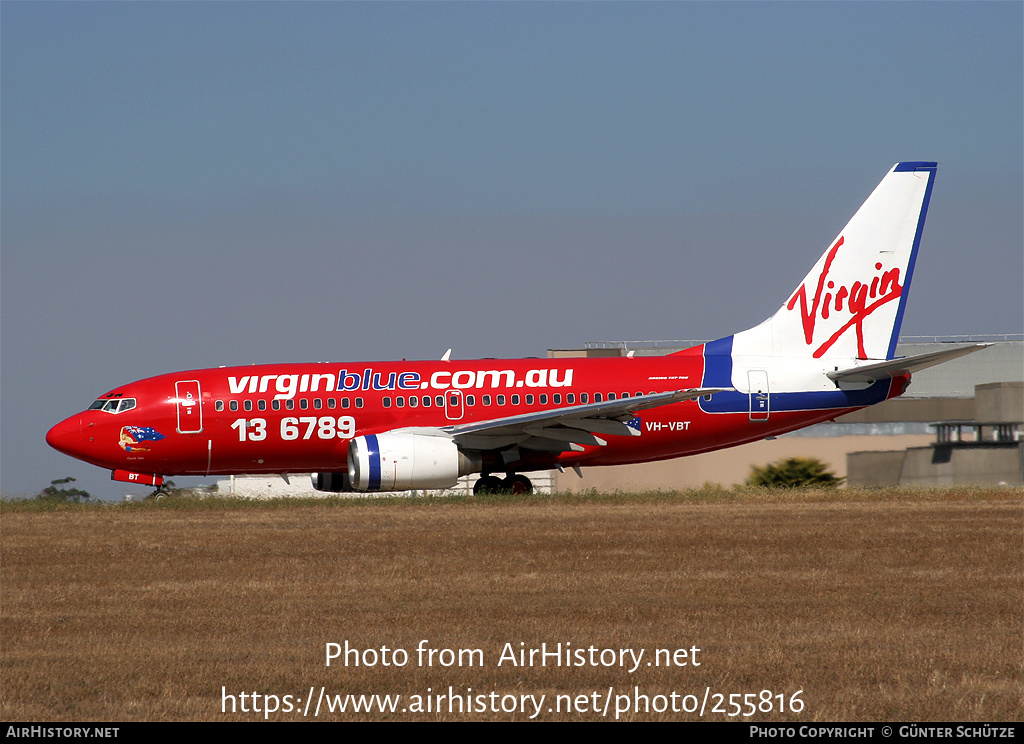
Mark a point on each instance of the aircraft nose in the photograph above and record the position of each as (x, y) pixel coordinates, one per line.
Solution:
(66, 436)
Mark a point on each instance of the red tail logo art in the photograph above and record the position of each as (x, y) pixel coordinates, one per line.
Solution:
(860, 301)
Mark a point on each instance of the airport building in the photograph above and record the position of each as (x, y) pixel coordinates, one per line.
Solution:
(961, 422)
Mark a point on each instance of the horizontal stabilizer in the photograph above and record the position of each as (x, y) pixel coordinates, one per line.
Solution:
(903, 366)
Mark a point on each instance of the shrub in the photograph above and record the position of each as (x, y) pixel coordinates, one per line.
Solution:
(794, 472)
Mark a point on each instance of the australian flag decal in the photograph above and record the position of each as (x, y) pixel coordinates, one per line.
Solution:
(132, 437)
(144, 433)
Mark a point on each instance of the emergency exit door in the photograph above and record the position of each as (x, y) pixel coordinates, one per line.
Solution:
(190, 406)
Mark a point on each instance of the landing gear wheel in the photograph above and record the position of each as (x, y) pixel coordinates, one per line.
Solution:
(487, 485)
(517, 484)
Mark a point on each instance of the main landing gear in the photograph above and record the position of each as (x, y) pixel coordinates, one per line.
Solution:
(514, 484)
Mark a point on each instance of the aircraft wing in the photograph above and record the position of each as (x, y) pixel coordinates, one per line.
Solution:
(903, 366)
(568, 428)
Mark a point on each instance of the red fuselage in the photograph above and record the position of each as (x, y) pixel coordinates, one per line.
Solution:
(301, 417)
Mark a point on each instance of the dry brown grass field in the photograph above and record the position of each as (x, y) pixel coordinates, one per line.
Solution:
(846, 605)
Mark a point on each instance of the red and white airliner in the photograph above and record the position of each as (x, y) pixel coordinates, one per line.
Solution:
(391, 426)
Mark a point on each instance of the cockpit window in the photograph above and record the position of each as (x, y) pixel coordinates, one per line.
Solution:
(113, 405)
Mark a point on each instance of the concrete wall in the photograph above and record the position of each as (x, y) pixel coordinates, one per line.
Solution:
(999, 402)
(874, 469)
(300, 486)
(963, 465)
(267, 486)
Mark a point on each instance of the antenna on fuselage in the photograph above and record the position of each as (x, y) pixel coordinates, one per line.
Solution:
(447, 356)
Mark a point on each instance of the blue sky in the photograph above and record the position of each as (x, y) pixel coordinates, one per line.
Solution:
(192, 184)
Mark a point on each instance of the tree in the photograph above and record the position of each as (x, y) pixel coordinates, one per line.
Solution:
(53, 492)
(794, 472)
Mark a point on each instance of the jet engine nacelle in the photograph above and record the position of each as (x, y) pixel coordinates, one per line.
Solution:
(400, 461)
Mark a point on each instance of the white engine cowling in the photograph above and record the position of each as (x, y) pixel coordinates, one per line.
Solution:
(399, 461)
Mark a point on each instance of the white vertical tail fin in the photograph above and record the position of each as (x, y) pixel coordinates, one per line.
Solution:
(851, 304)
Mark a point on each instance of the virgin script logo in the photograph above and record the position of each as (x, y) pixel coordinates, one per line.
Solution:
(861, 300)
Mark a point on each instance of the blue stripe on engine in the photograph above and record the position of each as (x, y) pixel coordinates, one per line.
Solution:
(373, 456)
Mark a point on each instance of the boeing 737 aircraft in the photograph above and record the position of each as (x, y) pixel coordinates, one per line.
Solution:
(391, 426)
